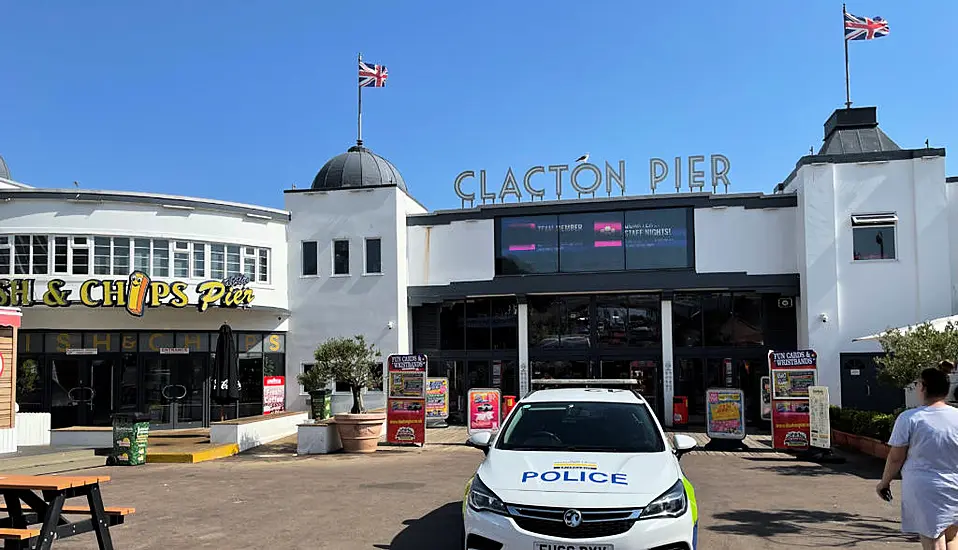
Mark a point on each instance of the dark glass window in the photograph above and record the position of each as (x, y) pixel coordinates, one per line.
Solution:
(21, 249)
(612, 320)
(687, 320)
(874, 243)
(645, 320)
(478, 327)
(374, 259)
(341, 257)
(29, 385)
(452, 322)
(719, 323)
(747, 310)
(274, 364)
(591, 242)
(310, 258)
(505, 323)
(657, 239)
(528, 245)
(559, 369)
(545, 322)
(509, 377)
(575, 332)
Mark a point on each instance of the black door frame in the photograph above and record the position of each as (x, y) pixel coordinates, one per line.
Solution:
(174, 422)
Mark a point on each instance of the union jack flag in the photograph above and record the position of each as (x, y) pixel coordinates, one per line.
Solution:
(864, 28)
(372, 75)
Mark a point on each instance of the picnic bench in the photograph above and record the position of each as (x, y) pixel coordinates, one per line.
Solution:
(43, 519)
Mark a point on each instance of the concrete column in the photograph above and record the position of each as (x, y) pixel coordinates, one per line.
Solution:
(668, 377)
(523, 349)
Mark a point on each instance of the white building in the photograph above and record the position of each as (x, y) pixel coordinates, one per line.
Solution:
(684, 291)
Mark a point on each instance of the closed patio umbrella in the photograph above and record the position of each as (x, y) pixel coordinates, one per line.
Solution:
(225, 369)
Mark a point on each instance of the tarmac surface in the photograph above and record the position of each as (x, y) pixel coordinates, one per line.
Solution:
(409, 499)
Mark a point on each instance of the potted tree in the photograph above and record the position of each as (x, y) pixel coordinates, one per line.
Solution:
(356, 363)
(315, 381)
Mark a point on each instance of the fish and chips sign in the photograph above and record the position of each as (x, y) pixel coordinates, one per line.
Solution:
(586, 178)
(136, 294)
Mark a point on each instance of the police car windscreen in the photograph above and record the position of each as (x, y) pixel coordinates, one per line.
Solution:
(582, 427)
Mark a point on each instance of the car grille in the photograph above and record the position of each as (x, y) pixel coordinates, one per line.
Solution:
(596, 522)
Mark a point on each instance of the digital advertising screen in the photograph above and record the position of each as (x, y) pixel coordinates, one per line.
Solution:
(657, 239)
(591, 242)
(528, 245)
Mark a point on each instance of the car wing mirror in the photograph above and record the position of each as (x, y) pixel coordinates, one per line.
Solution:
(480, 440)
(683, 444)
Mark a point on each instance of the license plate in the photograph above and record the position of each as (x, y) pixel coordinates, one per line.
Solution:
(570, 546)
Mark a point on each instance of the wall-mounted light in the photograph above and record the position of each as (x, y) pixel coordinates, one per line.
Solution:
(390, 325)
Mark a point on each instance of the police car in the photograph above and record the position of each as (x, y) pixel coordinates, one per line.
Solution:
(580, 469)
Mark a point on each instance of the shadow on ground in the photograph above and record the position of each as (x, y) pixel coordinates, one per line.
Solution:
(861, 466)
(816, 528)
(441, 528)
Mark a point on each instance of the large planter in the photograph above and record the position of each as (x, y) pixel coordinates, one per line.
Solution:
(860, 443)
(360, 432)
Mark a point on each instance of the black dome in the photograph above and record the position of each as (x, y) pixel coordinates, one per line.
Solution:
(357, 168)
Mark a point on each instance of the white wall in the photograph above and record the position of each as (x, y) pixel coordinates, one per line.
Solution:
(758, 241)
(457, 251)
(67, 217)
(861, 298)
(327, 306)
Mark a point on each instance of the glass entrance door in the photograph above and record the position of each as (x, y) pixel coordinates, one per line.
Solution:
(81, 391)
(176, 391)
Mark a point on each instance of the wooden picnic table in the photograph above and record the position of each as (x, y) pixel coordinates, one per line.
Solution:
(45, 497)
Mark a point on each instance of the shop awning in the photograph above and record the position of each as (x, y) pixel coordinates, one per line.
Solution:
(10, 317)
(937, 324)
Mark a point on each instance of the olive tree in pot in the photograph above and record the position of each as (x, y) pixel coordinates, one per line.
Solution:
(353, 362)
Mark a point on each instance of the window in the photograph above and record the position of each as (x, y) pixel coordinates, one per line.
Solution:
(5, 255)
(873, 236)
(199, 260)
(374, 256)
(61, 249)
(81, 256)
(217, 261)
(341, 257)
(181, 259)
(263, 265)
(310, 258)
(101, 256)
(161, 258)
(141, 255)
(21, 250)
(41, 255)
(249, 262)
(232, 261)
(121, 256)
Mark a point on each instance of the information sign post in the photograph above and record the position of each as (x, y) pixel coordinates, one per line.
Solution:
(406, 404)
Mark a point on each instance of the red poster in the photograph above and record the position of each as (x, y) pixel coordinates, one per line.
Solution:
(790, 425)
(406, 402)
(484, 410)
(274, 394)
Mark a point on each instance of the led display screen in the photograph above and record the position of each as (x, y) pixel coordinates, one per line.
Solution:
(594, 242)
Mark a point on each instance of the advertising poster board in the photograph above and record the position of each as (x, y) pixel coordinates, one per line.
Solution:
(725, 413)
(819, 423)
(792, 374)
(437, 398)
(766, 393)
(274, 394)
(406, 402)
(485, 408)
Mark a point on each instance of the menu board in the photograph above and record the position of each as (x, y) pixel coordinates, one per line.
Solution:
(437, 398)
(819, 422)
(792, 373)
(594, 241)
(725, 413)
(485, 410)
(792, 384)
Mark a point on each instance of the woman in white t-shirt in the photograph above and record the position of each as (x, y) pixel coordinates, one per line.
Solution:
(924, 447)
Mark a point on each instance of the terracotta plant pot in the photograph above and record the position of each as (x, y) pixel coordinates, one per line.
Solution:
(839, 439)
(360, 432)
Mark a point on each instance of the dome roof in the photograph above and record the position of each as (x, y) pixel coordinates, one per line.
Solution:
(358, 167)
(4, 171)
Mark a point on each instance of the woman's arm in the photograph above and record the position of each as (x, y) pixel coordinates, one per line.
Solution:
(893, 464)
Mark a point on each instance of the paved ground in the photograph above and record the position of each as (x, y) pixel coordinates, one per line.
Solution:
(403, 499)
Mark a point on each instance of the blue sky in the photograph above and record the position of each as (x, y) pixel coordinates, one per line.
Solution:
(240, 100)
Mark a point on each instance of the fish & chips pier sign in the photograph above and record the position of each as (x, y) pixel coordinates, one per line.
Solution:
(470, 185)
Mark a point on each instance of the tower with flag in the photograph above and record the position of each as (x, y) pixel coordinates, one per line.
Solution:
(860, 28)
(370, 76)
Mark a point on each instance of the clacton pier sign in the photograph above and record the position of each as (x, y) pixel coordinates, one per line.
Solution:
(586, 178)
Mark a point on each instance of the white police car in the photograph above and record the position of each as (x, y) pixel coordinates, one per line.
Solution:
(580, 469)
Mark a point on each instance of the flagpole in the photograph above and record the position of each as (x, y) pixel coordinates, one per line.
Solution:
(359, 121)
(848, 96)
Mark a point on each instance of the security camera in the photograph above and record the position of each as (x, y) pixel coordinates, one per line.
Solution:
(823, 318)
(389, 325)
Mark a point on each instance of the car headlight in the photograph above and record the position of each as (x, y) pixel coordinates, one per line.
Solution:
(482, 498)
(672, 504)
